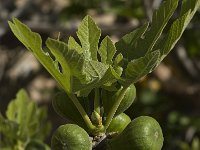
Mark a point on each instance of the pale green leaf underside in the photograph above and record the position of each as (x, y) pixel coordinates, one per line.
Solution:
(33, 42)
(105, 75)
(72, 44)
(141, 66)
(83, 73)
(107, 50)
(102, 75)
(89, 34)
(71, 61)
(95, 69)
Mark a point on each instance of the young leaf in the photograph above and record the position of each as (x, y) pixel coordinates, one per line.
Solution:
(95, 69)
(17, 115)
(25, 114)
(33, 42)
(141, 66)
(8, 128)
(73, 64)
(89, 34)
(187, 5)
(72, 44)
(126, 44)
(45, 127)
(106, 79)
(159, 21)
(168, 42)
(107, 50)
(104, 75)
(25, 122)
(71, 61)
(118, 60)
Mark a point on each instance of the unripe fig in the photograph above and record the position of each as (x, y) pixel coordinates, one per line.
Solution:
(63, 105)
(119, 123)
(71, 137)
(109, 98)
(143, 133)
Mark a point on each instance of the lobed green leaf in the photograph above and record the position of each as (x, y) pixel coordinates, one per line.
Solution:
(107, 50)
(76, 67)
(166, 44)
(126, 44)
(33, 42)
(27, 116)
(141, 66)
(144, 42)
(89, 34)
(72, 44)
(71, 61)
(107, 77)
(159, 21)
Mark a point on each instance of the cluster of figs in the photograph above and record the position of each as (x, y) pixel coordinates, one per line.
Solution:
(142, 133)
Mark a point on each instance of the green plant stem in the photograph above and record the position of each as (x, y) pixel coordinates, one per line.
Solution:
(112, 111)
(97, 101)
(82, 111)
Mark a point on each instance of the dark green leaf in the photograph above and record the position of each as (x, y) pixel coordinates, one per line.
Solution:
(141, 66)
(168, 42)
(126, 44)
(159, 21)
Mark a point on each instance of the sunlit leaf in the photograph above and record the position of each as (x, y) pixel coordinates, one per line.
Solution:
(72, 44)
(178, 27)
(89, 34)
(33, 42)
(107, 50)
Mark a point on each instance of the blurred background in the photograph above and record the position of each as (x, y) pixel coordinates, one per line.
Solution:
(171, 94)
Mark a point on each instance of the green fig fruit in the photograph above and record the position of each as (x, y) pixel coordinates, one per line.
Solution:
(143, 133)
(109, 98)
(64, 106)
(71, 137)
(118, 123)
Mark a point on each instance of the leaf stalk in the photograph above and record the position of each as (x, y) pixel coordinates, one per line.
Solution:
(115, 106)
(82, 111)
